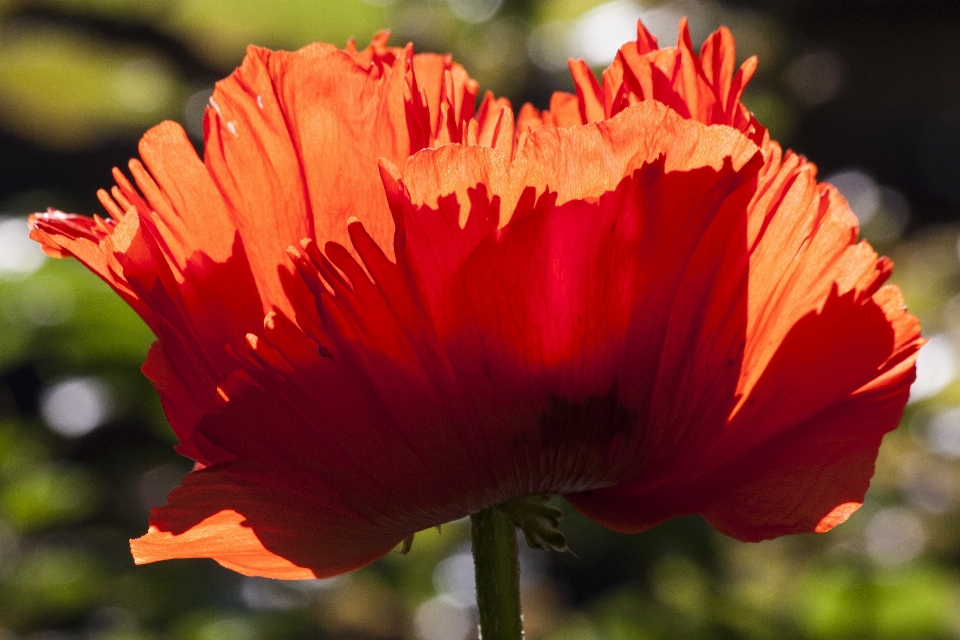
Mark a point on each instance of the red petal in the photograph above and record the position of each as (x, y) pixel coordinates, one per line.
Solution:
(551, 158)
(511, 310)
(402, 427)
(249, 520)
(295, 135)
(718, 57)
(810, 478)
(703, 88)
(827, 362)
(309, 128)
(588, 92)
(793, 468)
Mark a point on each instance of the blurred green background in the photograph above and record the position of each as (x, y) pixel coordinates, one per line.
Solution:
(869, 89)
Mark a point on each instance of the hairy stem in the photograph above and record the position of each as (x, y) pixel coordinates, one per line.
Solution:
(497, 573)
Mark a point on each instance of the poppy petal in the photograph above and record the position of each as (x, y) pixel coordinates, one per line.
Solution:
(184, 226)
(826, 426)
(703, 88)
(379, 366)
(804, 262)
(814, 475)
(271, 529)
(485, 333)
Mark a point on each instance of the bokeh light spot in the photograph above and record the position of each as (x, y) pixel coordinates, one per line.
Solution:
(860, 191)
(453, 580)
(19, 255)
(943, 433)
(437, 619)
(935, 368)
(894, 535)
(76, 406)
(598, 34)
(815, 77)
(475, 11)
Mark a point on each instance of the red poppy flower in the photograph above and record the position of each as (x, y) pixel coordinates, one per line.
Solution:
(634, 300)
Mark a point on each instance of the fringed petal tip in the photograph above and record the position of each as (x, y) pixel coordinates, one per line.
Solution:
(50, 214)
(43, 228)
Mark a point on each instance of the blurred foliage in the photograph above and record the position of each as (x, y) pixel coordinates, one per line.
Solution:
(98, 88)
(85, 450)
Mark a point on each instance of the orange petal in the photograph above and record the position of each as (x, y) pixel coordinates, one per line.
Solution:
(250, 521)
(700, 87)
(223, 538)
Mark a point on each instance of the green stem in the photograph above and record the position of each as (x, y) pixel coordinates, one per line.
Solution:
(497, 571)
